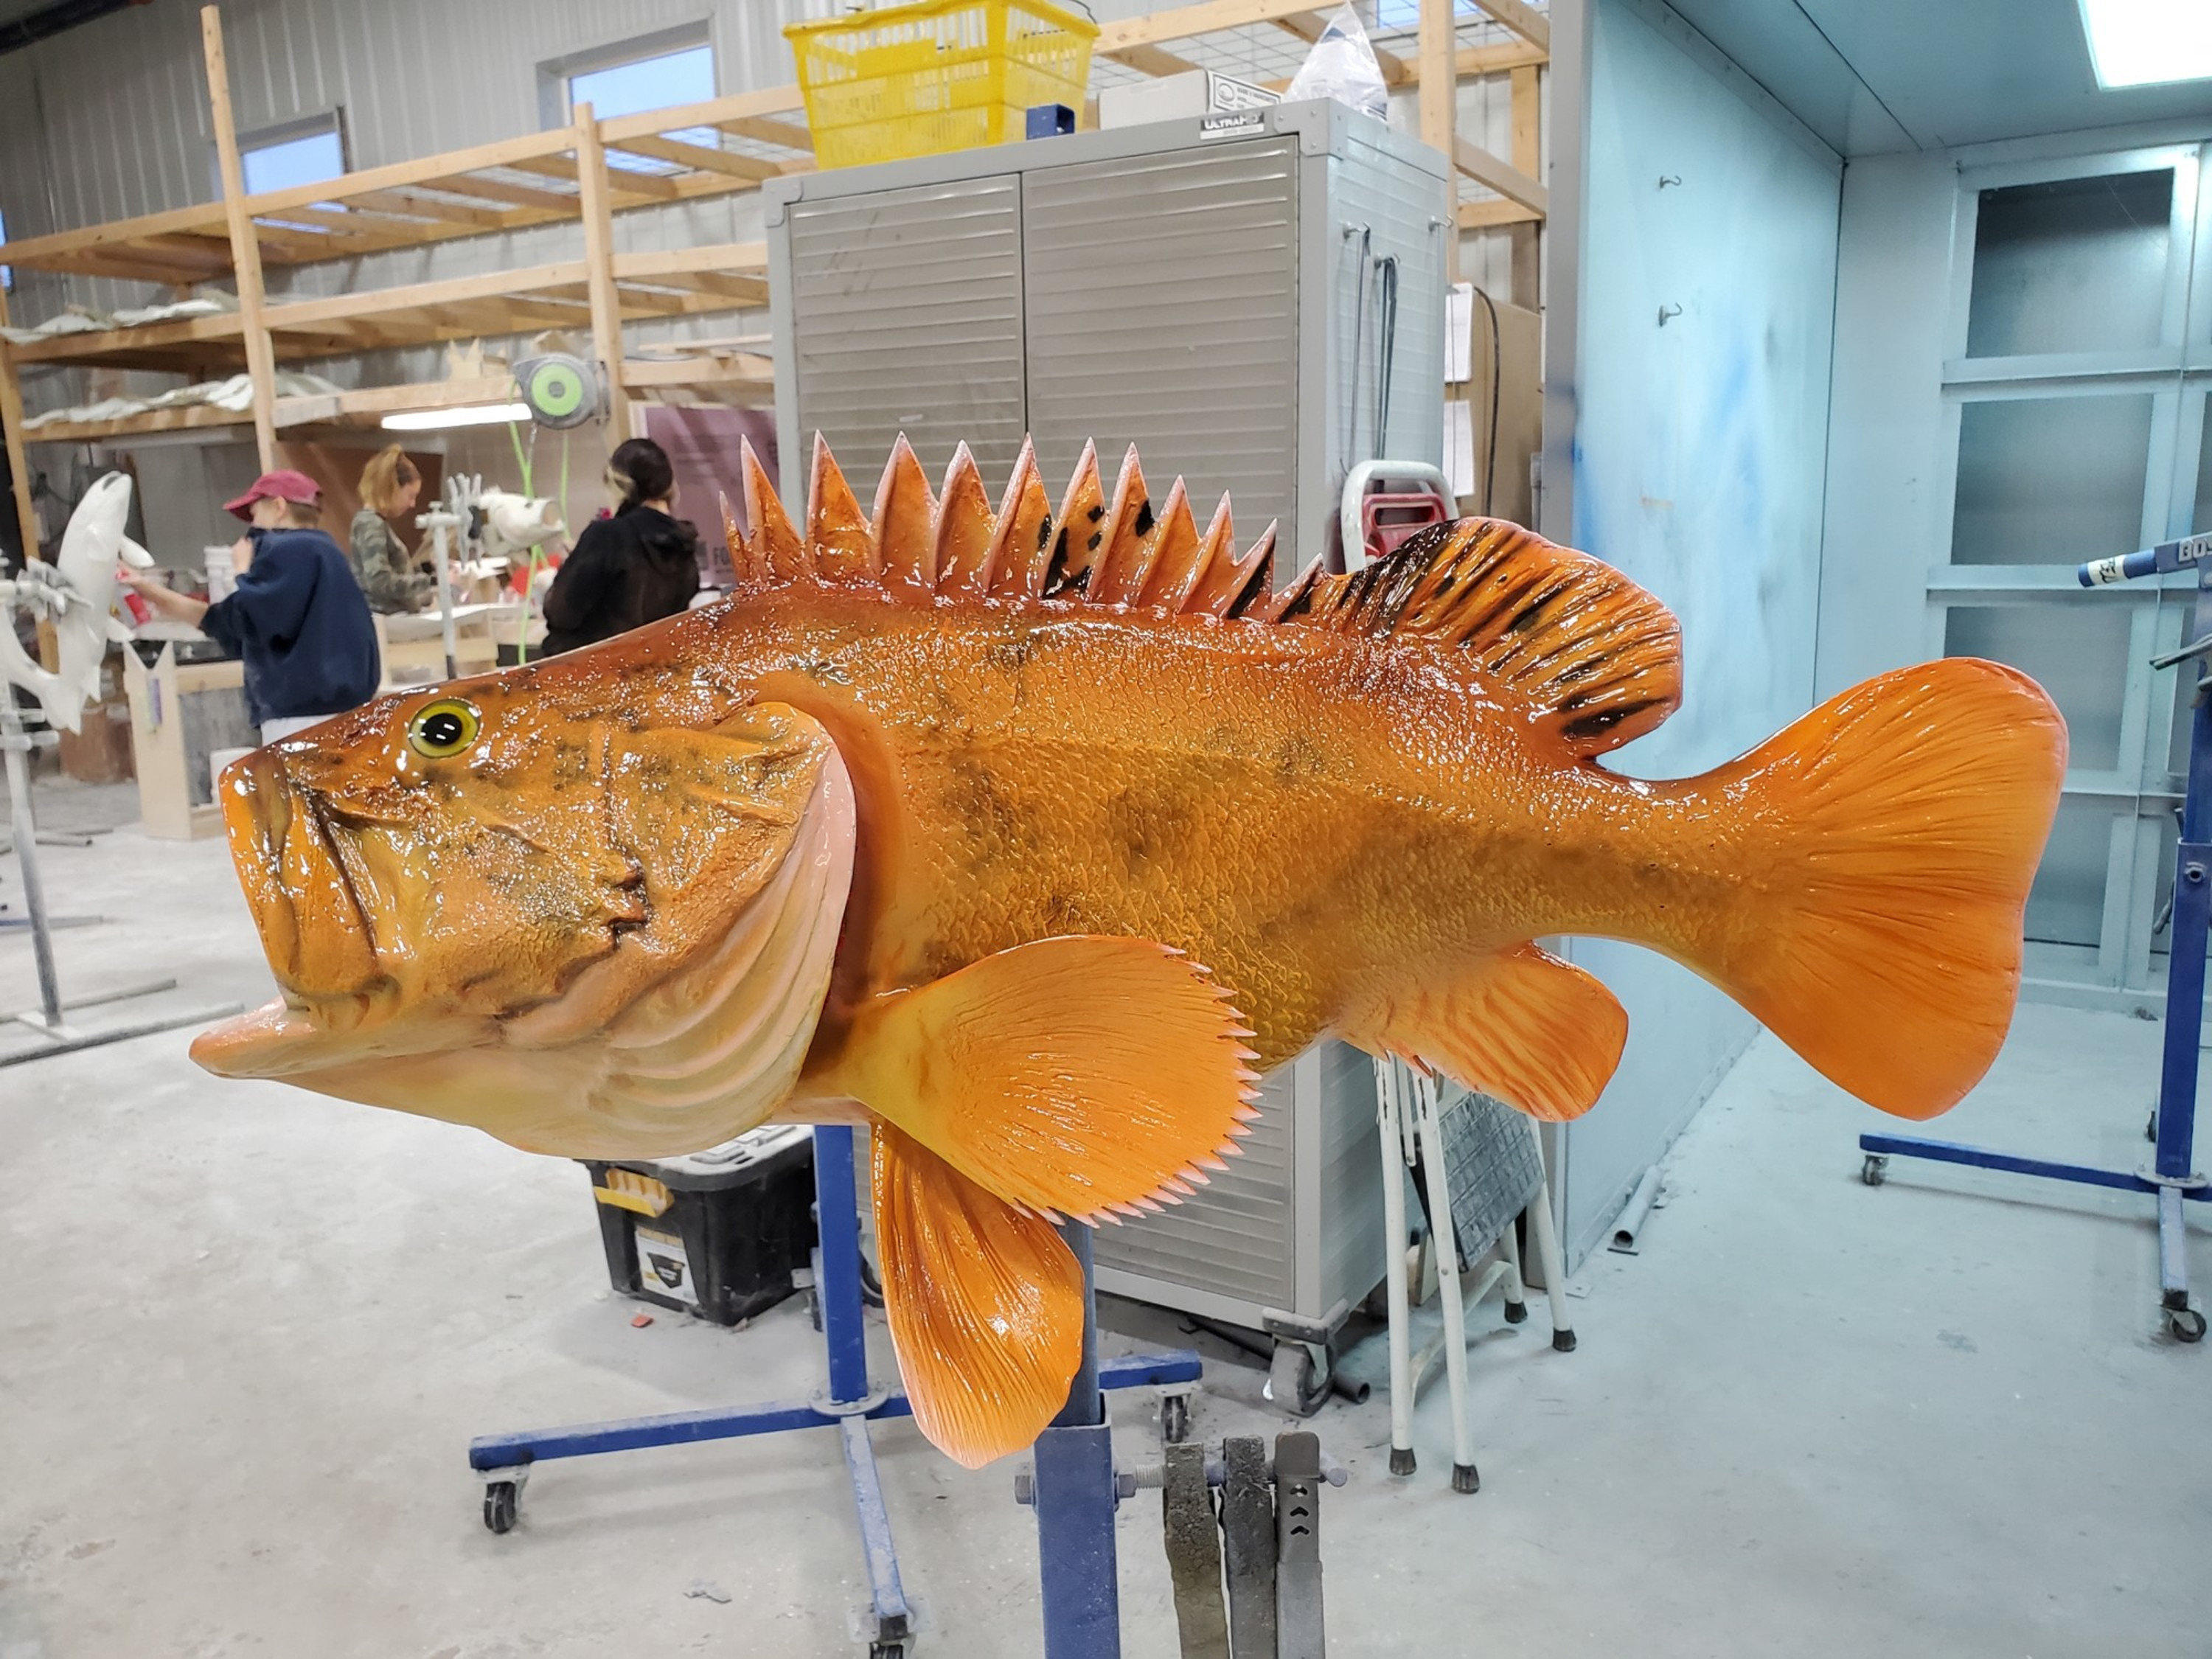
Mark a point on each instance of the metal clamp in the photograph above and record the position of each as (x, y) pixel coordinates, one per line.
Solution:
(2196, 1181)
(819, 1401)
(2194, 648)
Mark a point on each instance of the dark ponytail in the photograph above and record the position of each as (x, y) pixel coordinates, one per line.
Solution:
(639, 470)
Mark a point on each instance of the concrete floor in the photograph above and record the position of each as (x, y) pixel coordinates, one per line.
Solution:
(246, 1334)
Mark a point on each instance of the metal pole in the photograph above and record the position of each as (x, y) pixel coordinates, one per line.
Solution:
(1389, 1114)
(1444, 1239)
(1074, 1493)
(17, 743)
(838, 1287)
(1085, 1404)
(438, 523)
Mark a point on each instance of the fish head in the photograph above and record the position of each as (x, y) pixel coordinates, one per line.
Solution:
(94, 535)
(496, 901)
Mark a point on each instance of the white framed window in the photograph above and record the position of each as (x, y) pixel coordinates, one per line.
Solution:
(661, 70)
(303, 152)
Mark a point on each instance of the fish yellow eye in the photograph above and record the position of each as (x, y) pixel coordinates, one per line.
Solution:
(443, 729)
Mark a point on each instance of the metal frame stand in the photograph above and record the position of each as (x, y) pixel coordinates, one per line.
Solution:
(2170, 1177)
(1078, 1564)
(1399, 1123)
(57, 1036)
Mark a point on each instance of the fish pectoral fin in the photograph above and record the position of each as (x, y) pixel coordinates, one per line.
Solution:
(985, 1304)
(1075, 1076)
(1535, 1032)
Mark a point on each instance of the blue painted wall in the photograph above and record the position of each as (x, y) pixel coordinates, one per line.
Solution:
(1699, 454)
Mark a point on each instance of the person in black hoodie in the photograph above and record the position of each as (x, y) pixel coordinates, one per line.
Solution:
(625, 571)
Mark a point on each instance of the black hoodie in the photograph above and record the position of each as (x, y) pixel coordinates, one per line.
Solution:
(636, 567)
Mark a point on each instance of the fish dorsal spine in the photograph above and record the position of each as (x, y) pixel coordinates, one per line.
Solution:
(1594, 659)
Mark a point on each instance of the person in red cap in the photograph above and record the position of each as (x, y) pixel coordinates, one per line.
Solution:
(297, 617)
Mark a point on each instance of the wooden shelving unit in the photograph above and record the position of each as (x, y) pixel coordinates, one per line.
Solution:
(588, 173)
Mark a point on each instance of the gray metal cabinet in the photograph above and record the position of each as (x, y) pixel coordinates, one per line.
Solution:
(1257, 308)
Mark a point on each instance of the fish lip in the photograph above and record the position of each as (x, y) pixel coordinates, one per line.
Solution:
(265, 804)
(322, 815)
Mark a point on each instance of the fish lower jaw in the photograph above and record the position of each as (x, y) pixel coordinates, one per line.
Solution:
(344, 1012)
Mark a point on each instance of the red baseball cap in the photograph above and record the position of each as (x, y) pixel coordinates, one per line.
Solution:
(281, 485)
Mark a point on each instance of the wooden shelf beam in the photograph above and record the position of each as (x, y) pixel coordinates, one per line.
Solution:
(734, 163)
(1501, 176)
(1524, 20)
(564, 174)
(245, 250)
(1489, 216)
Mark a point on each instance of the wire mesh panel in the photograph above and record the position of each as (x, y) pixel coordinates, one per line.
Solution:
(1491, 1167)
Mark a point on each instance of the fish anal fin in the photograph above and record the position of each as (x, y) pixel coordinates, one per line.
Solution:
(985, 1304)
(777, 550)
(1536, 1032)
(1023, 540)
(905, 522)
(965, 531)
(1070, 1075)
(837, 535)
(1599, 659)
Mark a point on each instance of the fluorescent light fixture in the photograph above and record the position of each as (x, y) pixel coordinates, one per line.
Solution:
(430, 420)
(2147, 43)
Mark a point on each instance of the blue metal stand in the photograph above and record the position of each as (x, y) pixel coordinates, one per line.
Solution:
(848, 1405)
(2169, 1178)
(1075, 1492)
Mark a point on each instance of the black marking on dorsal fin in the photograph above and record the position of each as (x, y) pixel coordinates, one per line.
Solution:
(1599, 658)
(1596, 657)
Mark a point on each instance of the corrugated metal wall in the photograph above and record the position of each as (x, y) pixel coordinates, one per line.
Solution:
(111, 120)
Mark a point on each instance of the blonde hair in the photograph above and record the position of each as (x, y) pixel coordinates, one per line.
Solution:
(388, 472)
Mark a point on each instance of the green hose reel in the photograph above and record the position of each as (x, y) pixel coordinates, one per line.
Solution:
(561, 391)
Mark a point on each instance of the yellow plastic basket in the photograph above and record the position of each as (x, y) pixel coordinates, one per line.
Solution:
(914, 80)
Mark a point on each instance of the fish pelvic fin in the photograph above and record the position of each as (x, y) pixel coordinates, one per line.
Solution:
(1888, 842)
(1519, 1024)
(1080, 1076)
(985, 1303)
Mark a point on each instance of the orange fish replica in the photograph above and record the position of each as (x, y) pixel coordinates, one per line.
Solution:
(1029, 838)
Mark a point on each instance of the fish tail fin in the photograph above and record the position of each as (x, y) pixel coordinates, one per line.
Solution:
(1888, 840)
(64, 710)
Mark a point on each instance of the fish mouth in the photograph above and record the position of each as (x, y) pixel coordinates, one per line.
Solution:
(643, 1051)
(314, 929)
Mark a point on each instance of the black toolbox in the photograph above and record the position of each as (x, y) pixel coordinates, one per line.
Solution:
(719, 1233)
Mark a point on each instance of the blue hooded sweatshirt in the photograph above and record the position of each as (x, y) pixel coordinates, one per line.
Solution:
(299, 620)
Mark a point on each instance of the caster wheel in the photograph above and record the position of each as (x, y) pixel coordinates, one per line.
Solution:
(1401, 1460)
(2150, 1126)
(1874, 1170)
(886, 1651)
(501, 1500)
(2185, 1324)
(1293, 1381)
(1516, 1312)
(814, 1309)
